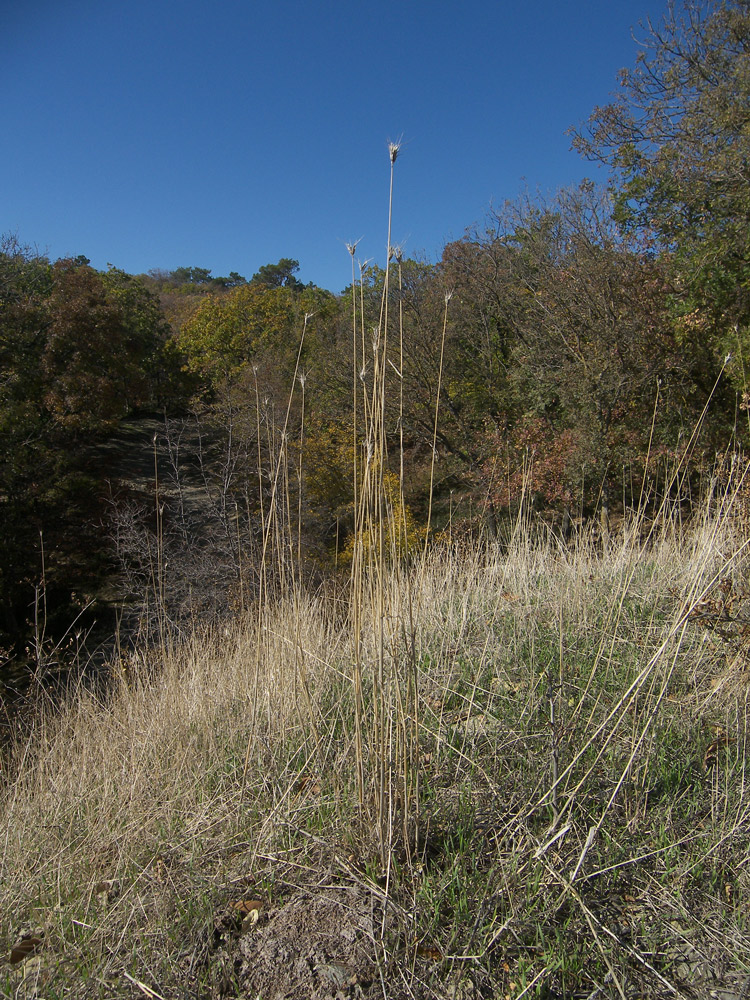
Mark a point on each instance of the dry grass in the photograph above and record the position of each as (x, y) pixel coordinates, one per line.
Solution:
(582, 817)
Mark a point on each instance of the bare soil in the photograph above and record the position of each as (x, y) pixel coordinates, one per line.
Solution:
(318, 945)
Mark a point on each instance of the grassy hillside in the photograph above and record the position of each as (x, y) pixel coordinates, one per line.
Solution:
(511, 771)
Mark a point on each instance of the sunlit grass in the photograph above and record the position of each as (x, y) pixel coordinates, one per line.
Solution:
(125, 825)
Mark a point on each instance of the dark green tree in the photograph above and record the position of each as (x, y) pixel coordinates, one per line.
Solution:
(280, 275)
(191, 276)
(678, 139)
(233, 280)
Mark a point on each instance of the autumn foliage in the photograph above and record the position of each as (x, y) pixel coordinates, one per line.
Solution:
(591, 340)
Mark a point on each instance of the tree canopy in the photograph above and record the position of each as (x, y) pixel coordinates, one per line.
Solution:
(280, 275)
(677, 136)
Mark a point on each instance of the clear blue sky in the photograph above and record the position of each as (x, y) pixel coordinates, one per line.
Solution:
(157, 133)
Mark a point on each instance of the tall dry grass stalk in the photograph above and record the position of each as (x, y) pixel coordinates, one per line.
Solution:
(279, 544)
(384, 685)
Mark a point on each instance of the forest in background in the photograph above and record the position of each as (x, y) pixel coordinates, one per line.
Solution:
(577, 351)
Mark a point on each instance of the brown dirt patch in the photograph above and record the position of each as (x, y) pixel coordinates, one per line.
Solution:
(316, 946)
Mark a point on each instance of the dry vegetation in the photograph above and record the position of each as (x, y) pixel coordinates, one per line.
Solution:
(559, 809)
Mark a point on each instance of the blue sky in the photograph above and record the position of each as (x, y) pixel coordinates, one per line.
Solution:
(158, 133)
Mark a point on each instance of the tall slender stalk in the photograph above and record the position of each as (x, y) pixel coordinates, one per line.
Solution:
(302, 381)
(356, 611)
(274, 522)
(407, 756)
(383, 515)
(435, 425)
(157, 568)
(352, 248)
(373, 518)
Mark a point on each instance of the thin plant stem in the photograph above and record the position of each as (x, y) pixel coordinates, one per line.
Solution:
(435, 425)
